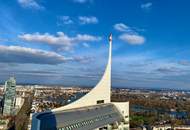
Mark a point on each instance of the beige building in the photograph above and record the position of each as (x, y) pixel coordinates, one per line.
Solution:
(19, 102)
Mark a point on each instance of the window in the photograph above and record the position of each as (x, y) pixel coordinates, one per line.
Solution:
(100, 101)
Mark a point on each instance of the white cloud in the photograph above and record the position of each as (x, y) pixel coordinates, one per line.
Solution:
(3, 39)
(132, 39)
(86, 37)
(130, 35)
(88, 20)
(146, 5)
(31, 4)
(17, 54)
(121, 27)
(65, 20)
(86, 45)
(184, 62)
(82, 1)
(61, 40)
(125, 28)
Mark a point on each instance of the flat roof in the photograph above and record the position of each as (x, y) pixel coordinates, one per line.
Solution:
(82, 118)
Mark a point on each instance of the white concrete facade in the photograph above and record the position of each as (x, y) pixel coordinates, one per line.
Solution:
(101, 93)
(123, 108)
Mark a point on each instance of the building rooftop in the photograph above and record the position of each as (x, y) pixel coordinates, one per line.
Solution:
(81, 118)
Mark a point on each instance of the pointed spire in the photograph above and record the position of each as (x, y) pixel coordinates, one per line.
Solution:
(110, 37)
(101, 92)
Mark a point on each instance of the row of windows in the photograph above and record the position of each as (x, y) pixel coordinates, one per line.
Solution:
(87, 122)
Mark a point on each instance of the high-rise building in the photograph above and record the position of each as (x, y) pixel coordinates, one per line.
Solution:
(9, 97)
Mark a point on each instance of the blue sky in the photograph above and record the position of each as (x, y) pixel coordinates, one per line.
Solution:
(65, 42)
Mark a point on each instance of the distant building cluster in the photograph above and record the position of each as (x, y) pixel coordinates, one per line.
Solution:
(47, 98)
(10, 102)
(44, 97)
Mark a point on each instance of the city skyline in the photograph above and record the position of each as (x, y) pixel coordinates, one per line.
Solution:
(65, 42)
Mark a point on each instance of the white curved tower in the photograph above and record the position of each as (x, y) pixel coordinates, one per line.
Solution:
(101, 93)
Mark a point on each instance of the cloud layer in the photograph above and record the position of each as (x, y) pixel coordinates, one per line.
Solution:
(129, 35)
(88, 20)
(132, 39)
(121, 27)
(82, 1)
(146, 5)
(31, 4)
(17, 54)
(60, 40)
(64, 20)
